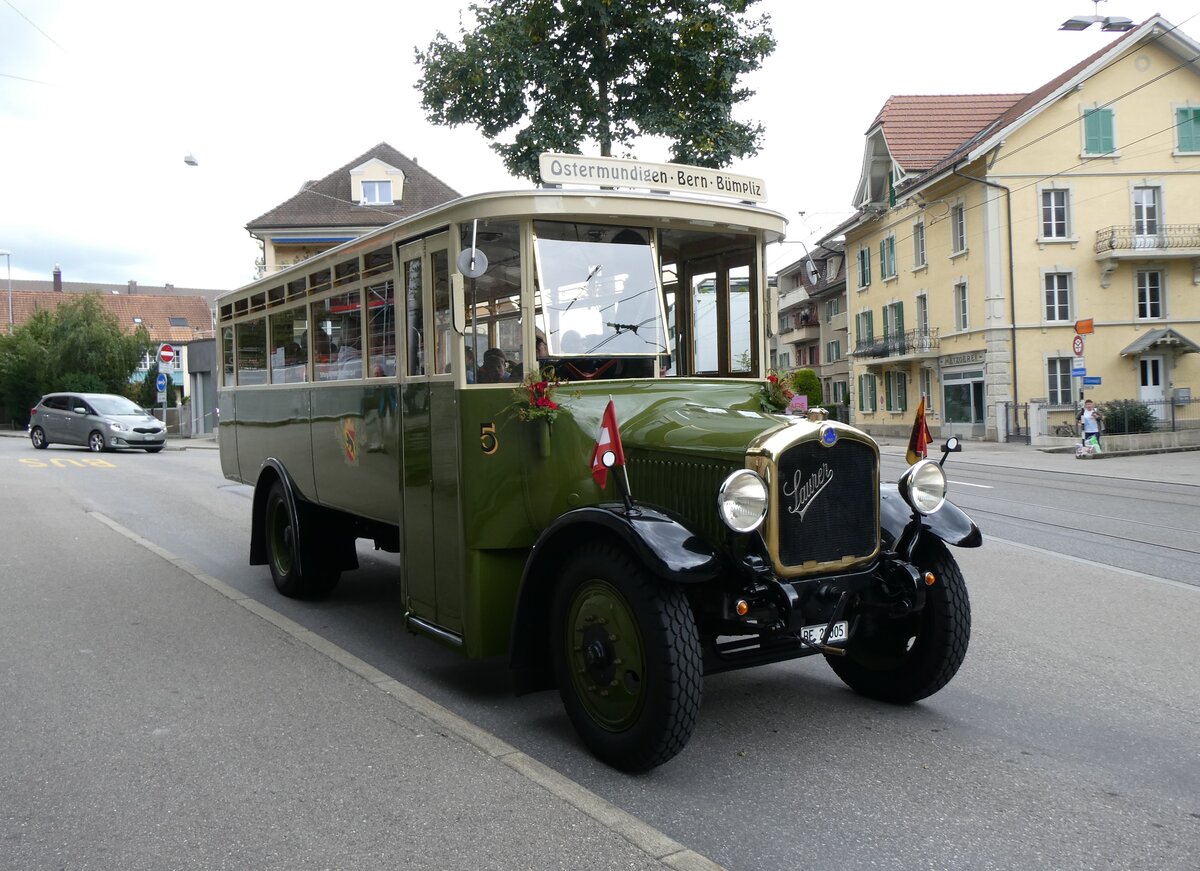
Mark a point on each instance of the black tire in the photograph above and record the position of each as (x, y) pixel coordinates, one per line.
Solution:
(154, 450)
(95, 442)
(626, 658)
(903, 661)
(283, 551)
(37, 435)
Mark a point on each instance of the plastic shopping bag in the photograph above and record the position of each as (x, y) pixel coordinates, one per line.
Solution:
(1094, 444)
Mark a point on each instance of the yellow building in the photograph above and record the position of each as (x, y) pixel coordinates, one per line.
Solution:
(988, 226)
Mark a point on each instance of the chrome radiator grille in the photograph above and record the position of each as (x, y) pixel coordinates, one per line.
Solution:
(826, 504)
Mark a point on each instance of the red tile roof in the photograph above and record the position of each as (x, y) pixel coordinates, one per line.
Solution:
(155, 312)
(923, 129)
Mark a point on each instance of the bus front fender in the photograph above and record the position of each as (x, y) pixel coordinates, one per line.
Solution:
(662, 542)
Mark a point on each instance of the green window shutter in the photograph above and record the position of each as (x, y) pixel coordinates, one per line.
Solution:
(870, 326)
(899, 319)
(892, 187)
(886, 331)
(860, 393)
(1098, 131)
(1188, 122)
(902, 386)
(888, 379)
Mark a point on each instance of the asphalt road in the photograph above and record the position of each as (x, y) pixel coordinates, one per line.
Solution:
(1068, 739)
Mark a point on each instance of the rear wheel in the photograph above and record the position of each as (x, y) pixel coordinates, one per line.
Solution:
(626, 658)
(95, 441)
(37, 435)
(283, 551)
(905, 660)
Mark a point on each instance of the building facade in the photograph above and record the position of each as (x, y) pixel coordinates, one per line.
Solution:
(812, 320)
(371, 191)
(1031, 248)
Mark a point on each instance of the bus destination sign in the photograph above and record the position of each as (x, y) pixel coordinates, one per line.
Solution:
(615, 172)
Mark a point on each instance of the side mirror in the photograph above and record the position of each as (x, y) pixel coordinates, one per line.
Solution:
(79, 409)
(952, 445)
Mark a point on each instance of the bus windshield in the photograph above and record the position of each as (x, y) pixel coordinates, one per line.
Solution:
(599, 291)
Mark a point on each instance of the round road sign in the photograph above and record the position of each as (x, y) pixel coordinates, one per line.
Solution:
(1077, 345)
(160, 382)
(166, 354)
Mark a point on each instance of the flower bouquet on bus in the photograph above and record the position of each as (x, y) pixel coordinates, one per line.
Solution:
(534, 400)
(775, 395)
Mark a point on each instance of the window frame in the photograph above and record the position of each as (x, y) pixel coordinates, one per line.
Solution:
(958, 229)
(962, 307)
(1141, 304)
(1058, 304)
(1060, 393)
(887, 258)
(377, 187)
(1065, 224)
(1105, 117)
(920, 253)
(863, 260)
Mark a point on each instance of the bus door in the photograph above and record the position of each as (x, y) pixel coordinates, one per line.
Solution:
(431, 529)
(715, 310)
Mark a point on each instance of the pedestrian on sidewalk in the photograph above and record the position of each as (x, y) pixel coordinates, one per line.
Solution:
(1091, 421)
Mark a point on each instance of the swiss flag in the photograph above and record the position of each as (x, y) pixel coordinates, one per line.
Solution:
(609, 440)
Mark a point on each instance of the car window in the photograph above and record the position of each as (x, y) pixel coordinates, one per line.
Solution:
(75, 402)
(57, 403)
(115, 405)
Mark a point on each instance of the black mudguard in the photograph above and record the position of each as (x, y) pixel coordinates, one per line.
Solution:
(663, 542)
(949, 524)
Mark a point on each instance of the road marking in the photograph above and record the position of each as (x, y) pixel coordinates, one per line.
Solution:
(645, 837)
(1092, 563)
(60, 463)
(966, 484)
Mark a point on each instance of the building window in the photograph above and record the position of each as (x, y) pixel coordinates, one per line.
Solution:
(887, 258)
(1055, 214)
(922, 314)
(377, 193)
(177, 322)
(1058, 296)
(864, 328)
(785, 360)
(866, 393)
(833, 351)
(893, 321)
(1149, 295)
(832, 307)
(1145, 211)
(1058, 383)
(961, 319)
(958, 229)
(927, 388)
(1098, 132)
(864, 267)
(1187, 123)
(918, 236)
(895, 388)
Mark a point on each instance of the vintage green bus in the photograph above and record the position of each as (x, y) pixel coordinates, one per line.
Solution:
(376, 391)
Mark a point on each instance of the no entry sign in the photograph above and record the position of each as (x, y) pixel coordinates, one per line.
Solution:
(166, 354)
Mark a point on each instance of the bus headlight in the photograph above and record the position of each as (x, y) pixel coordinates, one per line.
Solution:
(923, 486)
(742, 501)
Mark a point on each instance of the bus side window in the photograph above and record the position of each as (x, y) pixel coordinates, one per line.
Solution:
(414, 319)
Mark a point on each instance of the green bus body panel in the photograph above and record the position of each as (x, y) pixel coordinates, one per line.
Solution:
(471, 486)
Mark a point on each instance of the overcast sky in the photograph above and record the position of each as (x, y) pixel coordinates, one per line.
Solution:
(99, 103)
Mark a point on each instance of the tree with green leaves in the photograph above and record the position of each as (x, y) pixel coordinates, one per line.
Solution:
(805, 381)
(147, 391)
(558, 73)
(79, 346)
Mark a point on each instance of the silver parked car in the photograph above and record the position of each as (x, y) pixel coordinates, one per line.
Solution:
(101, 421)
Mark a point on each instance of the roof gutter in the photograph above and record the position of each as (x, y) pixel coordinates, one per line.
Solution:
(1012, 289)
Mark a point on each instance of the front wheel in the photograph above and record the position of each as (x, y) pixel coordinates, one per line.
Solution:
(95, 441)
(626, 658)
(37, 435)
(283, 551)
(904, 660)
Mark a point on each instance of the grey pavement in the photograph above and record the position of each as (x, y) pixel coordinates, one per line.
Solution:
(151, 719)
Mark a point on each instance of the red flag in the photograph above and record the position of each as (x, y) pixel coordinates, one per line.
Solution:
(918, 442)
(609, 440)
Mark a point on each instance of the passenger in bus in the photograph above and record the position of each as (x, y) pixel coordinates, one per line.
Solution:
(543, 351)
(494, 368)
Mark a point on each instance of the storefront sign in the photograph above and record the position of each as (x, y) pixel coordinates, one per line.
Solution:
(965, 359)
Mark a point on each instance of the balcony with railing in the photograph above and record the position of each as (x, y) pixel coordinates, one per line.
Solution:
(1168, 241)
(909, 345)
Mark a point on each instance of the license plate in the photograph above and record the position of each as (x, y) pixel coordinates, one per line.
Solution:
(839, 632)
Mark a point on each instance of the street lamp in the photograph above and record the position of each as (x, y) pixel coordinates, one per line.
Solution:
(1112, 23)
(8, 258)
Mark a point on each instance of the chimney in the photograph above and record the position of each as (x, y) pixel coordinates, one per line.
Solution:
(132, 286)
(57, 279)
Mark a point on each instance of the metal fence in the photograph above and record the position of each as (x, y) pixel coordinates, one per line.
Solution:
(1129, 416)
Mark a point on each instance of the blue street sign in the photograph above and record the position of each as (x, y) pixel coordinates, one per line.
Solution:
(161, 382)
(1091, 381)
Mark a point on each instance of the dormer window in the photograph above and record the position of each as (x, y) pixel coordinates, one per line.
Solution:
(377, 193)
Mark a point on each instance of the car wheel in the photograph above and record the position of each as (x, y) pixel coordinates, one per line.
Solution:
(154, 450)
(903, 661)
(95, 442)
(283, 552)
(626, 658)
(37, 435)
